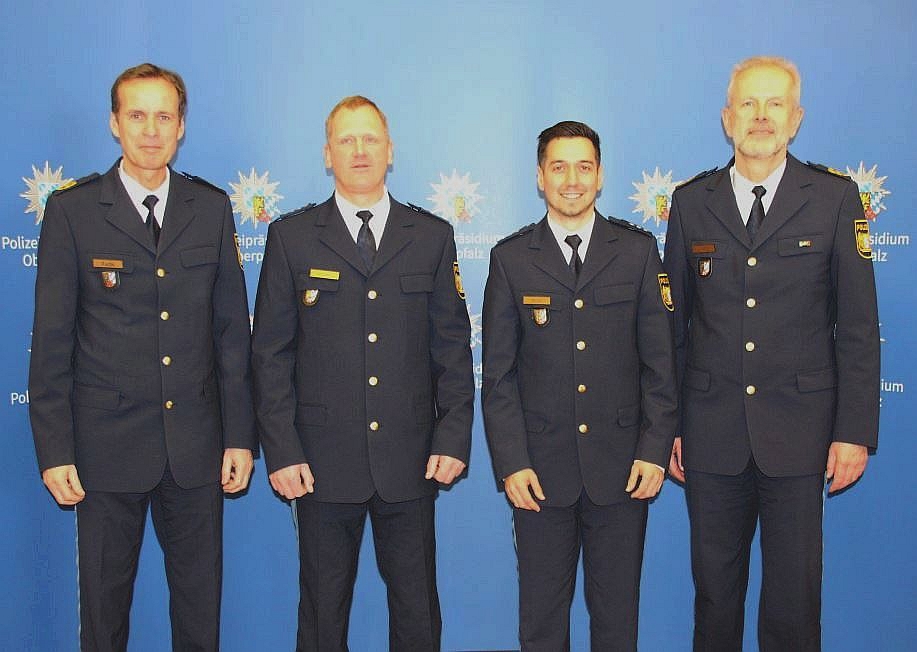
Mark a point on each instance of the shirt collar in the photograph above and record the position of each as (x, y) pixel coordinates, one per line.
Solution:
(137, 192)
(561, 233)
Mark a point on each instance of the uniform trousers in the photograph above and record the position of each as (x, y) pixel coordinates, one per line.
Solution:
(189, 526)
(724, 511)
(548, 546)
(330, 535)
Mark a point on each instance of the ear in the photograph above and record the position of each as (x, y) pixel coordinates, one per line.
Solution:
(726, 116)
(601, 179)
(181, 128)
(326, 154)
(113, 125)
(391, 151)
(540, 176)
(796, 120)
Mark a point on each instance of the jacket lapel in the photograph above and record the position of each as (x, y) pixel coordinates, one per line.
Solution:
(398, 234)
(122, 213)
(334, 235)
(547, 257)
(179, 210)
(601, 251)
(790, 197)
(721, 201)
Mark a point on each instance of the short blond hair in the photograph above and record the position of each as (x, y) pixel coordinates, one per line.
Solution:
(353, 102)
(764, 62)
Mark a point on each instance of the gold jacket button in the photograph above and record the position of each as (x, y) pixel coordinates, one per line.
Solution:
(583, 428)
(750, 390)
(166, 360)
(164, 315)
(581, 345)
(372, 294)
(169, 405)
(374, 425)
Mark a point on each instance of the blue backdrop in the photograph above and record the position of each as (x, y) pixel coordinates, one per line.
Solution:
(467, 86)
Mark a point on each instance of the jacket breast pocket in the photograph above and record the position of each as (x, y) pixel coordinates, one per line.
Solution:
(800, 245)
(197, 256)
(618, 301)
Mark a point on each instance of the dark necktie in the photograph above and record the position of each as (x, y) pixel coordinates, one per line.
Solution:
(576, 263)
(756, 217)
(151, 224)
(366, 243)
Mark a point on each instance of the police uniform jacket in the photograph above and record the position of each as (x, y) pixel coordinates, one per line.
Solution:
(362, 374)
(139, 357)
(777, 340)
(579, 375)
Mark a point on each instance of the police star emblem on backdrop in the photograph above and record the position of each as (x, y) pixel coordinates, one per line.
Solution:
(871, 188)
(40, 187)
(254, 198)
(653, 199)
(455, 198)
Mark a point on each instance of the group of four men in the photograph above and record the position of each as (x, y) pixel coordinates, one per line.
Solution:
(146, 386)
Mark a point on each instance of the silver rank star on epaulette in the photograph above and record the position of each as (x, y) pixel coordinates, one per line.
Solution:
(202, 182)
(696, 177)
(525, 229)
(630, 226)
(296, 211)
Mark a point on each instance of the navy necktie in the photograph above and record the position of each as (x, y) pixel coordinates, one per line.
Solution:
(756, 217)
(576, 263)
(151, 224)
(366, 242)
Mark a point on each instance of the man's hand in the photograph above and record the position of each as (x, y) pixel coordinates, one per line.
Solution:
(237, 469)
(443, 468)
(650, 478)
(64, 484)
(846, 463)
(676, 466)
(294, 481)
(519, 488)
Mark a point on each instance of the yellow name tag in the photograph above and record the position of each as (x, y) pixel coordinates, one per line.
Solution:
(528, 300)
(107, 263)
(325, 273)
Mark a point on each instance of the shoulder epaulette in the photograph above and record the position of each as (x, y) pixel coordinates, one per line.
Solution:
(630, 226)
(827, 170)
(525, 229)
(296, 211)
(697, 177)
(421, 209)
(203, 182)
(79, 182)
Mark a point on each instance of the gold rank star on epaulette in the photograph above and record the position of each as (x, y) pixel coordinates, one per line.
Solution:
(827, 170)
(79, 182)
(296, 211)
(630, 226)
(523, 230)
(697, 177)
(202, 182)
